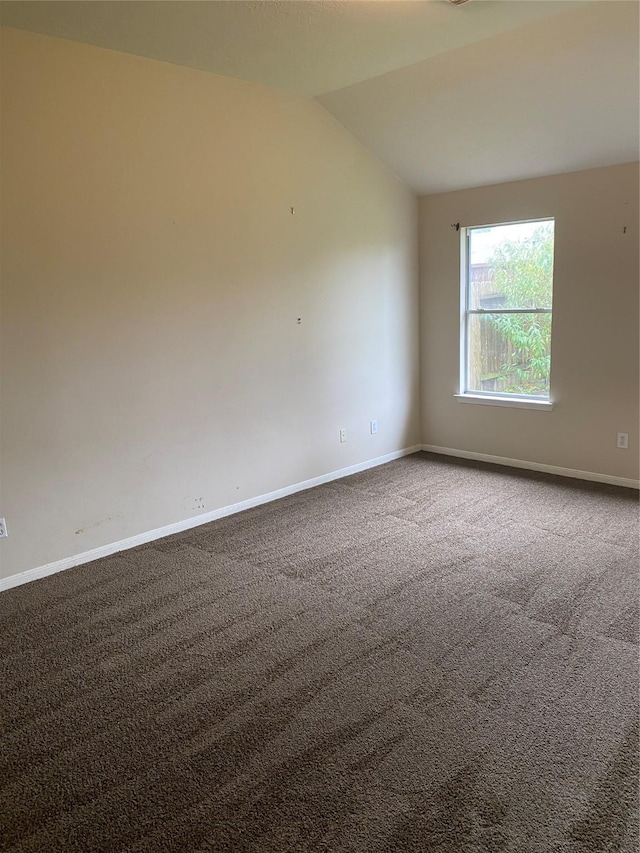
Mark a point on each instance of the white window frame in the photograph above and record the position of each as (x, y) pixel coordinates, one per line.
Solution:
(491, 398)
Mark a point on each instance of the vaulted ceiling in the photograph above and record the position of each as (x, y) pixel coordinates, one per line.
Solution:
(447, 96)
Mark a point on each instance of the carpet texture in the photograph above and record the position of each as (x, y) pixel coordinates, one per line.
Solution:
(433, 656)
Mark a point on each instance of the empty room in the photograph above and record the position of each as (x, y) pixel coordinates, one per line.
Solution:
(319, 426)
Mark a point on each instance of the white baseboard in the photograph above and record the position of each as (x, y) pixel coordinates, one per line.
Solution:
(534, 466)
(196, 521)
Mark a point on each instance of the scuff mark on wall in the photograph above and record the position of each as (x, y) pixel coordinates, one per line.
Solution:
(97, 523)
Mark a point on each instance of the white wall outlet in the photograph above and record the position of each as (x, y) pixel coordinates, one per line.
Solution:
(343, 435)
(623, 440)
(373, 426)
(3, 528)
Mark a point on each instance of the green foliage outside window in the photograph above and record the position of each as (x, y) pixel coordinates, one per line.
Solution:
(522, 272)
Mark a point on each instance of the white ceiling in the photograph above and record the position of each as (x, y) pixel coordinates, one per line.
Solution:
(446, 96)
(554, 96)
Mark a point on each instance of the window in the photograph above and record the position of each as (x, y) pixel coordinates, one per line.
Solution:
(507, 294)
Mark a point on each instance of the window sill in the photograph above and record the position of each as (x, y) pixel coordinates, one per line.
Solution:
(481, 400)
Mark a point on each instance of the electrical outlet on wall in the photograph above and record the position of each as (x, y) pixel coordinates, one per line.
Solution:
(343, 435)
(3, 528)
(373, 427)
(623, 440)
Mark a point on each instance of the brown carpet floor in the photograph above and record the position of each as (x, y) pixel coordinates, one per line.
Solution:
(431, 656)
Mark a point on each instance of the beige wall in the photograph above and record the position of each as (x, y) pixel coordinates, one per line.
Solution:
(594, 373)
(153, 368)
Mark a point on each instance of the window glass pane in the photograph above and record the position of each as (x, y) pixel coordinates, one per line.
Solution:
(511, 266)
(509, 353)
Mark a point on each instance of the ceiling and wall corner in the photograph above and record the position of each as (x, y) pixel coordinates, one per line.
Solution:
(446, 96)
(311, 47)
